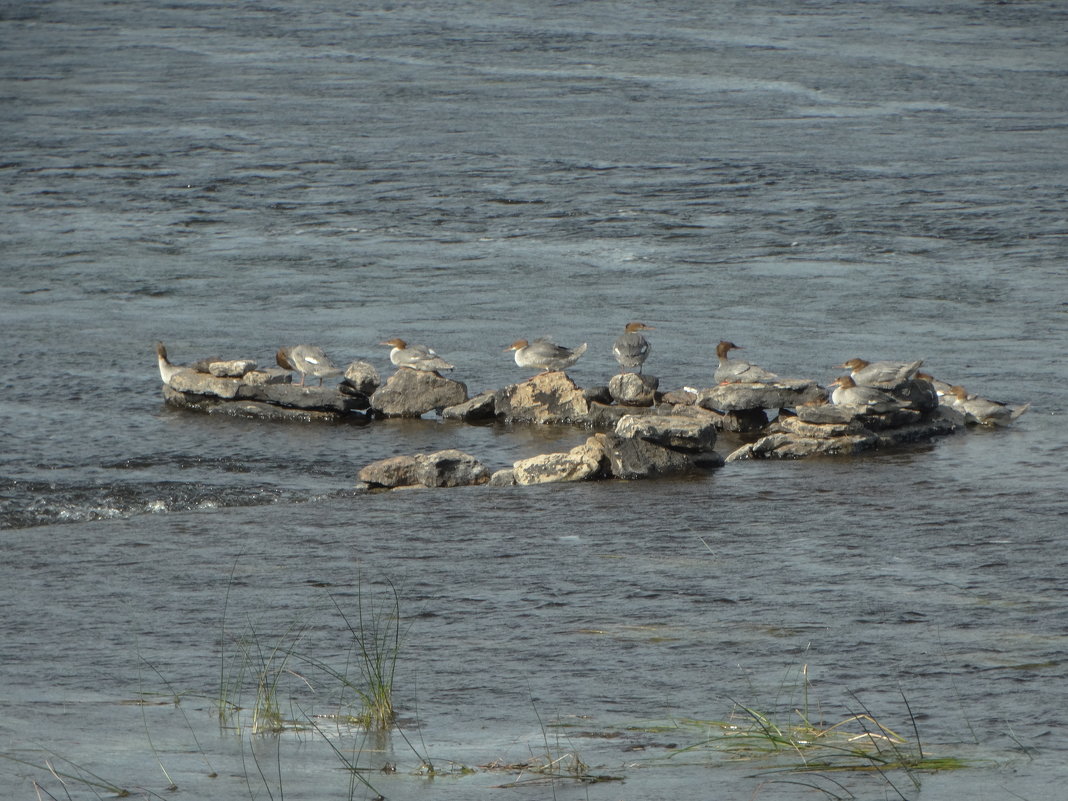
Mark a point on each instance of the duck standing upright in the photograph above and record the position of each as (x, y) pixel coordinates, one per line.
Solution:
(417, 357)
(631, 349)
(881, 374)
(308, 360)
(736, 371)
(545, 355)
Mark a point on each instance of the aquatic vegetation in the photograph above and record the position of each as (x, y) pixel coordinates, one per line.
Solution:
(801, 742)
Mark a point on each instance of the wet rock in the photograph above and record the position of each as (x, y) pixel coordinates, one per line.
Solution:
(362, 377)
(260, 410)
(638, 458)
(787, 446)
(580, 463)
(503, 478)
(633, 389)
(198, 383)
(449, 468)
(606, 417)
(297, 397)
(233, 368)
(742, 422)
(676, 431)
(597, 394)
(413, 393)
(479, 408)
(546, 398)
(795, 438)
(918, 394)
(785, 393)
(396, 471)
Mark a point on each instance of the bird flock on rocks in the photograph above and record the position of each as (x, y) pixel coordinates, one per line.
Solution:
(866, 385)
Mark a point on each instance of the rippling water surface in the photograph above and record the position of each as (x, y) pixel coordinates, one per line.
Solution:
(814, 183)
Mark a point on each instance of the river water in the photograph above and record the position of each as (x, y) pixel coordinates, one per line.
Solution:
(814, 182)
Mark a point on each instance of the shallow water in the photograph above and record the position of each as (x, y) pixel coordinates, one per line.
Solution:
(882, 180)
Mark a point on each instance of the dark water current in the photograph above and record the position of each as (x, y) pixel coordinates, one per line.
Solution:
(812, 181)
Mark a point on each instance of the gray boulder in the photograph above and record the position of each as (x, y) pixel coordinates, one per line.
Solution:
(580, 463)
(479, 408)
(680, 432)
(413, 393)
(449, 468)
(632, 389)
(546, 398)
(503, 478)
(635, 458)
(362, 377)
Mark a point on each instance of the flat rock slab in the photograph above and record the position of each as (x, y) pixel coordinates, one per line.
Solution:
(786, 393)
(211, 404)
(546, 398)
(413, 393)
(798, 440)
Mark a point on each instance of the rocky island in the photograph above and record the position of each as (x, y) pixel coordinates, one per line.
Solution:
(638, 430)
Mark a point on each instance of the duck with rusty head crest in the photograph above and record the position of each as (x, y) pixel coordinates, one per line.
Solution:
(738, 371)
(416, 357)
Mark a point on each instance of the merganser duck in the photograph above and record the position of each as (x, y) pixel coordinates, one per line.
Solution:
(308, 360)
(166, 369)
(737, 371)
(848, 393)
(981, 410)
(417, 357)
(941, 387)
(544, 354)
(881, 374)
(631, 349)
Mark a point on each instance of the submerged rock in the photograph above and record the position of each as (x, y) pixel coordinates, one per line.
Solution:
(546, 398)
(413, 393)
